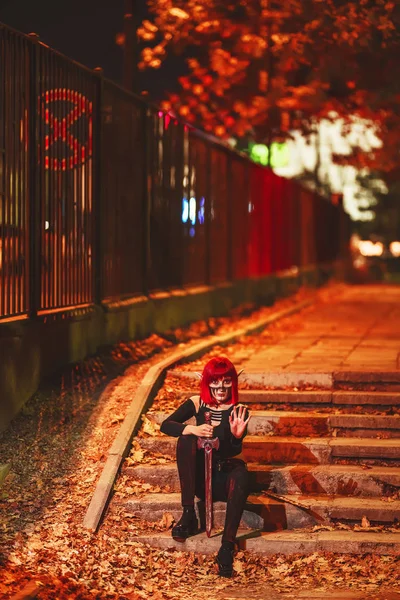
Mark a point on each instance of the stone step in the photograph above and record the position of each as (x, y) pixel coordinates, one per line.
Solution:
(307, 376)
(270, 514)
(286, 450)
(284, 542)
(346, 480)
(365, 398)
(151, 507)
(301, 424)
(270, 379)
(367, 376)
(314, 397)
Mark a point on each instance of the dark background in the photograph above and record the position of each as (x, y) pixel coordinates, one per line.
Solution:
(85, 30)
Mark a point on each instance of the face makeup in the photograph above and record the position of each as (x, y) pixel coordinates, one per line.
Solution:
(221, 389)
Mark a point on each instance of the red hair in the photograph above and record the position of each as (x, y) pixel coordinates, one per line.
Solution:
(217, 368)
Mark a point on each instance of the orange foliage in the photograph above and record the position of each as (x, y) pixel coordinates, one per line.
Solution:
(254, 59)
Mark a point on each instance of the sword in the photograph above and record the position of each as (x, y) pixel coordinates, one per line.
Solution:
(208, 445)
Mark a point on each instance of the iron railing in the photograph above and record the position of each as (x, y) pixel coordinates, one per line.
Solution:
(105, 197)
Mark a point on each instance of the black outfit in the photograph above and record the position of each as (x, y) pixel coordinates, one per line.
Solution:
(230, 481)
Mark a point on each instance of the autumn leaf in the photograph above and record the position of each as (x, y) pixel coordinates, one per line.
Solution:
(365, 524)
(167, 521)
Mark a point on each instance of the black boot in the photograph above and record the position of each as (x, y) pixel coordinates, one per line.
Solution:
(225, 559)
(186, 526)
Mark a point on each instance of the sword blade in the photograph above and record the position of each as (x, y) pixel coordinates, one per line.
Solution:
(208, 487)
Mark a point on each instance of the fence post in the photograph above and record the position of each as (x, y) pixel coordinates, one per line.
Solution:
(208, 215)
(146, 202)
(34, 203)
(229, 218)
(98, 190)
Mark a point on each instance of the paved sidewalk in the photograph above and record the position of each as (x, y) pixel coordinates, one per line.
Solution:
(358, 331)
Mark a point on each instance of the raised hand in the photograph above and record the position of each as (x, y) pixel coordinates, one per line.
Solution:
(237, 422)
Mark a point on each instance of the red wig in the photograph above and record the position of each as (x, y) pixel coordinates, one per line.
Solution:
(216, 368)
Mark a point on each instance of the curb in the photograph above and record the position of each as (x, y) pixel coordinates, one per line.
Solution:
(146, 392)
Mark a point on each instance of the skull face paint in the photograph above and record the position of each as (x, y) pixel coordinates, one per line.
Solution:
(221, 389)
(219, 382)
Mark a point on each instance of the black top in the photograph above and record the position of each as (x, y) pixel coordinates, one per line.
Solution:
(229, 445)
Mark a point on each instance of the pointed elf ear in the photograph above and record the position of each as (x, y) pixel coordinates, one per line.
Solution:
(198, 375)
(240, 372)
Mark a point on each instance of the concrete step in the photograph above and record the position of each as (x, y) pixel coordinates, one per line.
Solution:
(269, 379)
(284, 542)
(270, 514)
(308, 376)
(346, 480)
(365, 398)
(286, 450)
(315, 397)
(302, 424)
(151, 507)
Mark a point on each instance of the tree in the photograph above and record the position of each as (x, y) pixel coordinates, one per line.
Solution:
(266, 66)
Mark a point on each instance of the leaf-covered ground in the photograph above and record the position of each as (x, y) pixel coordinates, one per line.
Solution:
(57, 447)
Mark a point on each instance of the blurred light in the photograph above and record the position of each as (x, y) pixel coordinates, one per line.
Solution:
(46, 225)
(354, 242)
(201, 213)
(192, 210)
(394, 248)
(178, 12)
(185, 210)
(192, 232)
(279, 154)
(368, 248)
(359, 262)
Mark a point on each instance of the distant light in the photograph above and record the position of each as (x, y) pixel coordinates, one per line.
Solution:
(185, 210)
(394, 248)
(354, 242)
(192, 232)
(192, 210)
(201, 212)
(178, 12)
(279, 154)
(359, 262)
(368, 248)
(46, 225)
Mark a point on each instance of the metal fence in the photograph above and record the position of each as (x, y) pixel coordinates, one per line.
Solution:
(104, 197)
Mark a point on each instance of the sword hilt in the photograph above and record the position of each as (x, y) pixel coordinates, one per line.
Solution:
(207, 417)
(209, 443)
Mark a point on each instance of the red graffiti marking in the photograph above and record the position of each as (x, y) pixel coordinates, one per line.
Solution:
(60, 128)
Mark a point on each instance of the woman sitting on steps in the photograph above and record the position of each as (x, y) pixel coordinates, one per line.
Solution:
(230, 480)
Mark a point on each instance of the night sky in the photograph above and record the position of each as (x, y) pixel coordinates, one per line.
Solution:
(85, 31)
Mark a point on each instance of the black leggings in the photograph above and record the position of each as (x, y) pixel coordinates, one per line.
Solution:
(230, 485)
